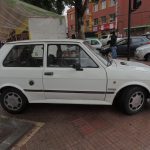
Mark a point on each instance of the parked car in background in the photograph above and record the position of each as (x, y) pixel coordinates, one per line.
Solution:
(143, 53)
(147, 35)
(105, 39)
(69, 72)
(122, 45)
(94, 42)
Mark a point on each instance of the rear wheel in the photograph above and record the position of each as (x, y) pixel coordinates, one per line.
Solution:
(13, 101)
(133, 99)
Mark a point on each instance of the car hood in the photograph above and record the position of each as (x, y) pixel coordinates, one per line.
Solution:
(132, 65)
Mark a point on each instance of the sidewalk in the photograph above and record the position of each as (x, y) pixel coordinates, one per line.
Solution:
(11, 130)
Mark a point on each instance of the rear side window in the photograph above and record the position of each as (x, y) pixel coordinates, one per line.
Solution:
(104, 37)
(137, 40)
(25, 56)
(94, 42)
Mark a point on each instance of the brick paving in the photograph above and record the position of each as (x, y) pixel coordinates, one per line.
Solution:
(76, 127)
(82, 127)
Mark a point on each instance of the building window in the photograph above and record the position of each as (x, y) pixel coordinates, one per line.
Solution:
(103, 18)
(103, 4)
(112, 2)
(112, 17)
(95, 7)
(95, 21)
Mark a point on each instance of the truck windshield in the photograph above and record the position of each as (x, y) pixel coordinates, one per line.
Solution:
(103, 59)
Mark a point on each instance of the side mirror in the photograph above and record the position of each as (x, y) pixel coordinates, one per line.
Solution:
(78, 67)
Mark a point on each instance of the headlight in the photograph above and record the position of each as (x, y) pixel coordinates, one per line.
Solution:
(139, 51)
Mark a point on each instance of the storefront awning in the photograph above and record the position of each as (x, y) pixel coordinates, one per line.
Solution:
(138, 27)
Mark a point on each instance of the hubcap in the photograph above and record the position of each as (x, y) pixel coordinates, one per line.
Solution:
(136, 101)
(13, 101)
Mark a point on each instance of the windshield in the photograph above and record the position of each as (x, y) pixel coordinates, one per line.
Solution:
(105, 60)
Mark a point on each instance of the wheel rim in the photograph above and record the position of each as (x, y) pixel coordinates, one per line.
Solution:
(13, 101)
(136, 101)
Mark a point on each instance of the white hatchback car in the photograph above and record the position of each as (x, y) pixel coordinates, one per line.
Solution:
(68, 72)
(94, 42)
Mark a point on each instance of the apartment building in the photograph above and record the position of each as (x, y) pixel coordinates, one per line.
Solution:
(104, 16)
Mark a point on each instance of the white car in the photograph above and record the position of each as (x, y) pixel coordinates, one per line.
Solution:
(143, 52)
(68, 72)
(105, 39)
(96, 43)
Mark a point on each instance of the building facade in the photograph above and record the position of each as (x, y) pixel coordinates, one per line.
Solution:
(71, 22)
(140, 19)
(104, 16)
(100, 18)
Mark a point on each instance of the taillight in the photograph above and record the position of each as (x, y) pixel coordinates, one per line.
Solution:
(147, 43)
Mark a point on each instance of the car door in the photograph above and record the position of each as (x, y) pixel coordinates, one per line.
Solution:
(122, 49)
(71, 74)
(135, 43)
(23, 69)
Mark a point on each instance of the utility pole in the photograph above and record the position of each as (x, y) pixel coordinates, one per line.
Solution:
(129, 29)
(136, 5)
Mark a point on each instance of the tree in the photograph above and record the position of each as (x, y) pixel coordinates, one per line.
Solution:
(80, 8)
(58, 7)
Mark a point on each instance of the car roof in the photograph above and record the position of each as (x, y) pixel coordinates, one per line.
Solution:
(47, 40)
(92, 38)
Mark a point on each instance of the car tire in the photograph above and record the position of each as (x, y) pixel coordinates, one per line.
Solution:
(13, 101)
(148, 57)
(133, 99)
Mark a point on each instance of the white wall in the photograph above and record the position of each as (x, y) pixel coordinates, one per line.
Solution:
(47, 28)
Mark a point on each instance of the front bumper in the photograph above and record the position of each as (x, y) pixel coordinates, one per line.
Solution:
(139, 56)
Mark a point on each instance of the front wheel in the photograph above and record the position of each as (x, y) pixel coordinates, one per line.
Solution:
(133, 99)
(13, 101)
(148, 57)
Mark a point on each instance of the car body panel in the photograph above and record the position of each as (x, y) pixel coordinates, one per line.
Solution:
(142, 52)
(97, 86)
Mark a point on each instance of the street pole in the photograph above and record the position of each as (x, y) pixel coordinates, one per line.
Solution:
(129, 29)
(116, 25)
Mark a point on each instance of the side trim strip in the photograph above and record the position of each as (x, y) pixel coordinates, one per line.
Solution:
(63, 91)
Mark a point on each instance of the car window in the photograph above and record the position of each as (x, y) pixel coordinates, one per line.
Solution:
(137, 40)
(94, 42)
(104, 37)
(88, 41)
(148, 36)
(25, 56)
(66, 55)
(122, 42)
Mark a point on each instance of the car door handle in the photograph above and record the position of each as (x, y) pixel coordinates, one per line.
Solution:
(48, 73)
